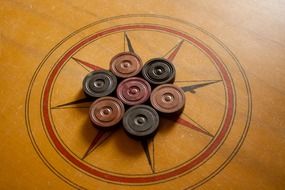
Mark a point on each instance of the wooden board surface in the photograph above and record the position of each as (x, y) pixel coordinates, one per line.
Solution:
(230, 60)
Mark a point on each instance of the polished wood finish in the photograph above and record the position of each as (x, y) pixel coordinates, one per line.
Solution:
(253, 31)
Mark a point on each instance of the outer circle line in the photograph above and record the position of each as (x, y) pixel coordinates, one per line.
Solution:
(213, 146)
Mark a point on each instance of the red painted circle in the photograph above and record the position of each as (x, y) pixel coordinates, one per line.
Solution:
(140, 179)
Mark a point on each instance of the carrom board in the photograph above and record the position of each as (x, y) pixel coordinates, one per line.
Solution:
(229, 58)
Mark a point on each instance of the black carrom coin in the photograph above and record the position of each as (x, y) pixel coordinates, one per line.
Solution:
(99, 83)
(141, 122)
(158, 71)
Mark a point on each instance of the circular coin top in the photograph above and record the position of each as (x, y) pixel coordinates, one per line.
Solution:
(141, 121)
(126, 64)
(106, 112)
(158, 71)
(133, 91)
(168, 98)
(99, 83)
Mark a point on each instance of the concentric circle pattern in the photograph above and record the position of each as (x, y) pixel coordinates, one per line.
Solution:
(186, 151)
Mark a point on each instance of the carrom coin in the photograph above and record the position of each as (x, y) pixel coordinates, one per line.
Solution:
(141, 121)
(106, 112)
(126, 64)
(159, 71)
(99, 83)
(168, 98)
(133, 91)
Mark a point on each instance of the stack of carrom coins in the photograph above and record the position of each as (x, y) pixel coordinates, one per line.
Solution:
(133, 95)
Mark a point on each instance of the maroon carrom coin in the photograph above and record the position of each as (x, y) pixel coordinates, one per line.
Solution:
(133, 91)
